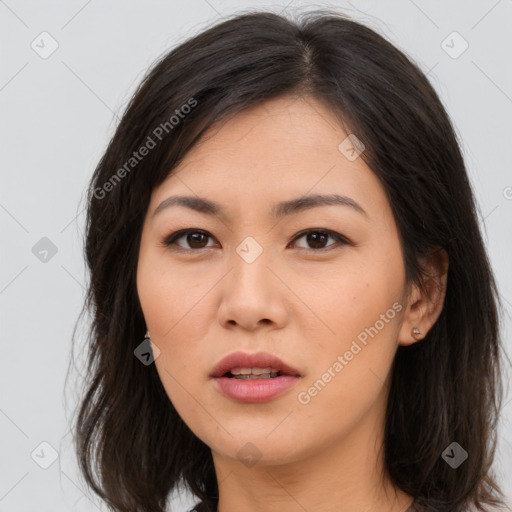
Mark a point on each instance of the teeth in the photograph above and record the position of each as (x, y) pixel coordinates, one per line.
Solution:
(252, 377)
(253, 371)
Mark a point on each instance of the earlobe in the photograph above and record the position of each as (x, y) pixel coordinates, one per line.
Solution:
(426, 299)
(416, 333)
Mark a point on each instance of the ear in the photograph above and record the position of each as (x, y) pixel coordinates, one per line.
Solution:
(425, 301)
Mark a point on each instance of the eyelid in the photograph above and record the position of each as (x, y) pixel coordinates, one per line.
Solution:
(341, 240)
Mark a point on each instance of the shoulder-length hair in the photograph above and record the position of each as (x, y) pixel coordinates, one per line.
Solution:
(133, 447)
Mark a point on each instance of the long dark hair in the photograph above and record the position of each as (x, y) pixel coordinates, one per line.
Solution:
(133, 447)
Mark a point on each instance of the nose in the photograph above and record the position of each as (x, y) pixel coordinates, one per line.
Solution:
(253, 295)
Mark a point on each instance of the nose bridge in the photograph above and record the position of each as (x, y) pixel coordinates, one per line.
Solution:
(251, 261)
(252, 292)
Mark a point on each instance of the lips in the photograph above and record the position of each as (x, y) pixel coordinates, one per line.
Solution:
(256, 360)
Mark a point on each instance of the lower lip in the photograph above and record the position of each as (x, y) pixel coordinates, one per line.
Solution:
(255, 390)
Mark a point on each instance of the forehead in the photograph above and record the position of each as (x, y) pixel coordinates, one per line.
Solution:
(282, 129)
(281, 149)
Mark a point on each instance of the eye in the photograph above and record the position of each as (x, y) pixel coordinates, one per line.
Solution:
(196, 239)
(318, 237)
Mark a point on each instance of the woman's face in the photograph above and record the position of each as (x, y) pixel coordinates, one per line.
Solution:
(252, 281)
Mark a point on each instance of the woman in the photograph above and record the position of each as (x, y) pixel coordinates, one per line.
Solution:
(293, 307)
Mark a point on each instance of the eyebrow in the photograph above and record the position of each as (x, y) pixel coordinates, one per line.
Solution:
(285, 208)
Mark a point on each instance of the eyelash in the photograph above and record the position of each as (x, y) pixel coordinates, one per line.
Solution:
(171, 240)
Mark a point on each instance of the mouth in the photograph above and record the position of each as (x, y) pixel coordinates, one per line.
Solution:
(247, 366)
(254, 378)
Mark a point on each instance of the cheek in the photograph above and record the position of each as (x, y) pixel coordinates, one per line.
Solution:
(168, 294)
(357, 292)
(347, 379)
(360, 306)
(174, 313)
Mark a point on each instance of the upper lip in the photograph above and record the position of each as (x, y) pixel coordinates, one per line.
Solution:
(255, 360)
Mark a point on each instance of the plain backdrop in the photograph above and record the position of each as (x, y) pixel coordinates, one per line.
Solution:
(67, 71)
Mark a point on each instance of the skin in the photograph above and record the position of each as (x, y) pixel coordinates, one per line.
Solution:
(303, 302)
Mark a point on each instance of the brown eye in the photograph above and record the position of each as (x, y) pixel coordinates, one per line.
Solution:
(317, 239)
(196, 239)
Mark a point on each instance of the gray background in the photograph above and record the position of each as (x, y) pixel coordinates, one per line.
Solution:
(58, 114)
